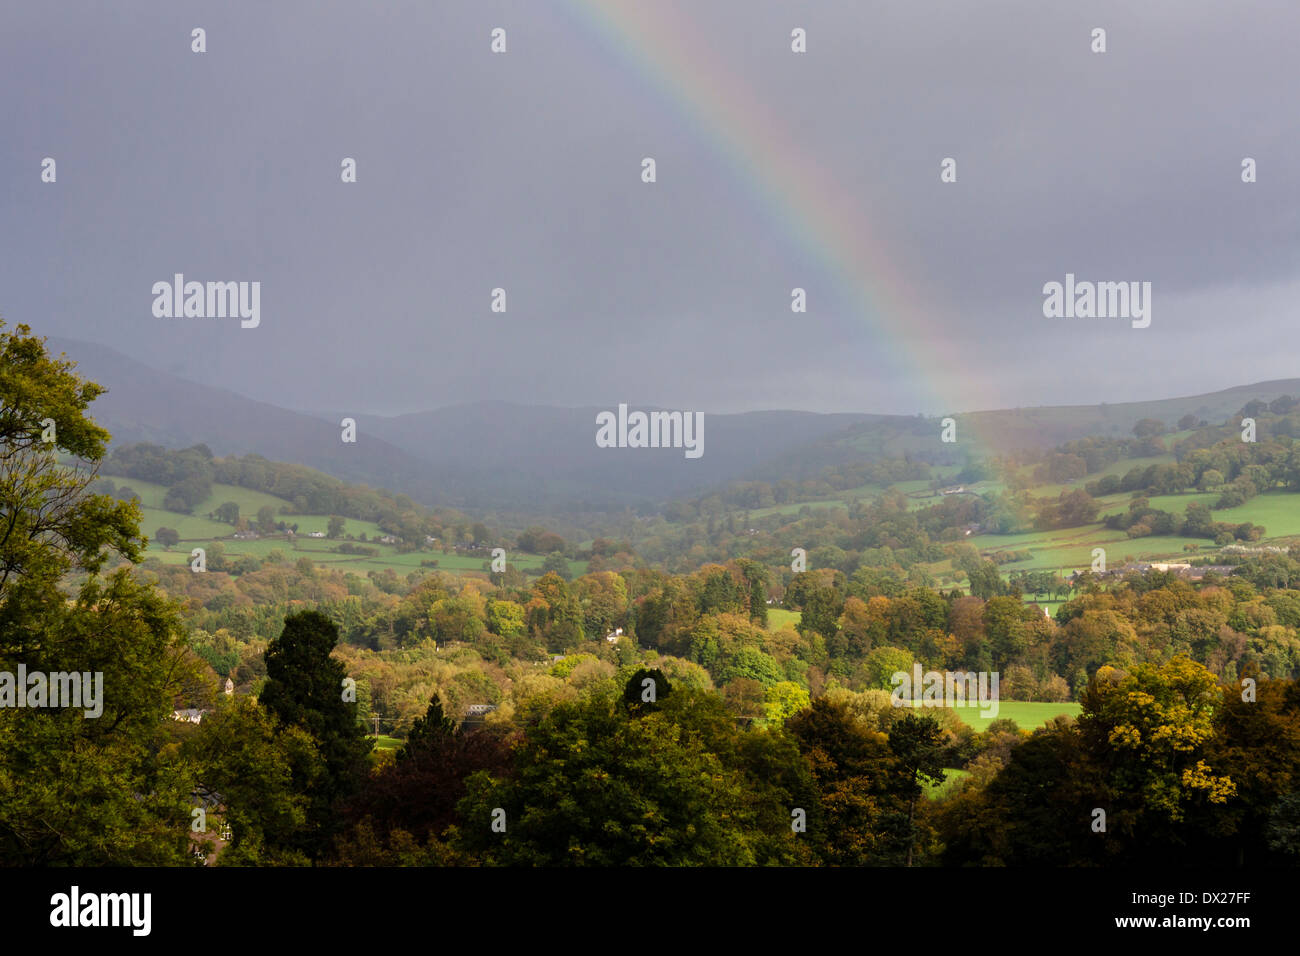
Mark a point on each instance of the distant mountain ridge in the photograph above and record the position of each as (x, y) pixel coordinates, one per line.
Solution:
(500, 456)
(144, 404)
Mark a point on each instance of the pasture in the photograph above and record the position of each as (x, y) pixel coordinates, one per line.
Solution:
(778, 618)
(197, 530)
(1027, 714)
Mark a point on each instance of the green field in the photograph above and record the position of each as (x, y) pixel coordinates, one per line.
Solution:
(779, 618)
(843, 499)
(1026, 714)
(952, 777)
(1176, 504)
(794, 509)
(1120, 468)
(196, 530)
(1277, 511)
(323, 555)
(1070, 549)
(197, 527)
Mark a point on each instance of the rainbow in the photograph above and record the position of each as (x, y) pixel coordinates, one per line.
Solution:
(795, 189)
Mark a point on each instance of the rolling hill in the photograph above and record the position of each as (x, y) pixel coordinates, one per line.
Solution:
(144, 404)
(496, 456)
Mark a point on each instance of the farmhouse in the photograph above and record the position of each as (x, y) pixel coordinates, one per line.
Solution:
(475, 714)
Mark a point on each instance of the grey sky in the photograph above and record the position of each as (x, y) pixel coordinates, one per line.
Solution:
(523, 171)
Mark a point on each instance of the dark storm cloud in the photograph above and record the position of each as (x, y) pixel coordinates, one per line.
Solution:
(522, 171)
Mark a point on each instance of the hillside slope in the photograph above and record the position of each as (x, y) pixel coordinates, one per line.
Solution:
(500, 456)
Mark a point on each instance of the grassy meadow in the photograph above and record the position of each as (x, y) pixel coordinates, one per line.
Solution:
(197, 530)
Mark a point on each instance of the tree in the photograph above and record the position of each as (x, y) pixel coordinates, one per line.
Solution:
(883, 663)
(186, 494)
(1149, 428)
(426, 731)
(553, 613)
(1035, 811)
(1257, 746)
(259, 768)
(752, 663)
(506, 618)
(305, 688)
(53, 523)
(1199, 523)
(782, 700)
(417, 794)
(266, 519)
(917, 746)
(228, 511)
(335, 527)
(858, 626)
(666, 616)
(1070, 510)
(537, 540)
(603, 598)
(557, 563)
(746, 698)
(985, 580)
(167, 537)
(639, 696)
(120, 632)
(1149, 727)
(634, 791)
(458, 618)
(849, 762)
(1005, 630)
(821, 611)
